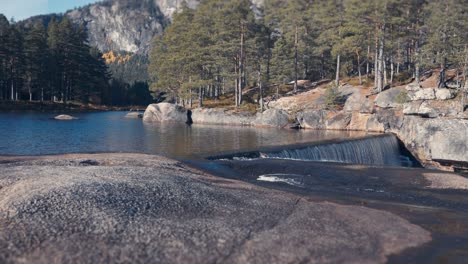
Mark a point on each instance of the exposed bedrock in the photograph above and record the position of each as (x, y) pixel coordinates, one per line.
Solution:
(147, 209)
(441, 140)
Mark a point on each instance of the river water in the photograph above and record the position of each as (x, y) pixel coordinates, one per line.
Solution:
(38, 134)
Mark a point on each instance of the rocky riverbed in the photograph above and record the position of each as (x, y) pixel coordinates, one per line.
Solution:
(92, 208)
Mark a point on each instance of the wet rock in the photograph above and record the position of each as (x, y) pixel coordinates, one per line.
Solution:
(65, 117)
(272, 118)
(444, 94)
(389, 98)
(165, 112)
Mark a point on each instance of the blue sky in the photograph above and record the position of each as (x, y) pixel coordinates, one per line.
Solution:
(21, 9)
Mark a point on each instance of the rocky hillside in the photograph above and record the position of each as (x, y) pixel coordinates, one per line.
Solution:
(126, 25)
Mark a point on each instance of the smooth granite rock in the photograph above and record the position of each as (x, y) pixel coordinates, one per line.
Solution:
(132, 208)
(422, 94)
(221, 117)
(389, 98)
(65, 117)
(165, 112)
(313, 119)
(272, 118)
(444, 94)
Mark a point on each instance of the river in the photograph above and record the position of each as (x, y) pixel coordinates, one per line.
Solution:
(38, 134)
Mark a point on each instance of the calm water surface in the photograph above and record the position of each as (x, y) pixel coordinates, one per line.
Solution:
(38, 134)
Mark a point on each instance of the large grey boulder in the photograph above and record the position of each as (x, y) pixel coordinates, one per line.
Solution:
(422, 94)
(432, 108)
(413, 87)
(65, 117)
(272, 118)
(444, 94)
(438, 139)
(389, 98)
(313, 119)
(165, 112)
(339, 121)
(420, 108)
(221, 117)
(357, 102)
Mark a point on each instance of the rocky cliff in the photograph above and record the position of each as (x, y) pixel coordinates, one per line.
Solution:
(127, 25)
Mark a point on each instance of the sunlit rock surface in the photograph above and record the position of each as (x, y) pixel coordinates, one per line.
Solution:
(145, 209)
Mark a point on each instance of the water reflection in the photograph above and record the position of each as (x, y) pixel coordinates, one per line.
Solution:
(37, 134)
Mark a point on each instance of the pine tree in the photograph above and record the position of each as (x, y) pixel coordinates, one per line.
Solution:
(36, 56)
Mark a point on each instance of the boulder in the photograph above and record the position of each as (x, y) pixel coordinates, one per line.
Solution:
(389, 98)
(411, 108)
(438, 139)
(432, 108)
(134, 115)
(338, 121)
(444, 94)
(314, 119)
(221, 117)
(413, 87)
(359, 121)
(374, 124)
(422, 94)
(272, 118)
(358, 102)
(65, 117)
(165, 112)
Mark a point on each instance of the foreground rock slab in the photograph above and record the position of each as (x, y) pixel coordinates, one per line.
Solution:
(148, 209)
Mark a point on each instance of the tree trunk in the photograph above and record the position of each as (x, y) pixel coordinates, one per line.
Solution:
(359, 66)
(322, 67)
(190, 98)
(295, 60)
(337, 77)
(200, 96)
(392, 70)
(380, 71)
(376, 62)
(441, 82)
(241, 66)
(385, 72)
(260, 90)
(367, 64)
(12, 90)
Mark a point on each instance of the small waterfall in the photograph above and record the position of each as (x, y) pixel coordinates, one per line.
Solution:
(377, 150)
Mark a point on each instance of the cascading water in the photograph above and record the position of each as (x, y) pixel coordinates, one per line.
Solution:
(378, 150)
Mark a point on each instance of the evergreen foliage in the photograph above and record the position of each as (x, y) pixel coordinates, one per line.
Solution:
(222, 47)
(53, 64)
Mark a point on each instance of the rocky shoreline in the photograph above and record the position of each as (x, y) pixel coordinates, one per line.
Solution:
(94, 208)
(426, 121)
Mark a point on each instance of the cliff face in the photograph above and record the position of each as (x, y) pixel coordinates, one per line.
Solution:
(126, 25)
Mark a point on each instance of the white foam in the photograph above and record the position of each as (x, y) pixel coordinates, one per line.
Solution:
(290, 179)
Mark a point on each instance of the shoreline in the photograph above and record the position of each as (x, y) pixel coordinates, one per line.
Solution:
(37, 106)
